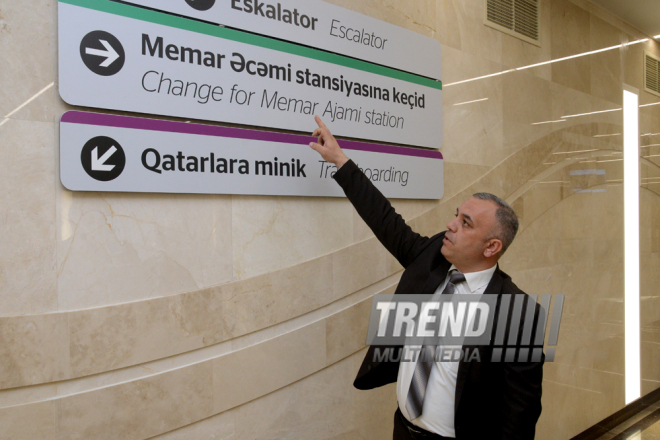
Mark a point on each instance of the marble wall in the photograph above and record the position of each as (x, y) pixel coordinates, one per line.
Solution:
(140, 316)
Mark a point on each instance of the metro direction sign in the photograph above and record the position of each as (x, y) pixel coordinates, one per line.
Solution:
(101, 152)
(123, 57)
(318, 24)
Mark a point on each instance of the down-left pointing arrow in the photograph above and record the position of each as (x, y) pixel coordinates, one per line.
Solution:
(99, 163)
(103, 158)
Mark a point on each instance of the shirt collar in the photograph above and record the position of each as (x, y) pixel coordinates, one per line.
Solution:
(475, 280)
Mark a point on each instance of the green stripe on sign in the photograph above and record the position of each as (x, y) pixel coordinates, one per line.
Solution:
(244, 37)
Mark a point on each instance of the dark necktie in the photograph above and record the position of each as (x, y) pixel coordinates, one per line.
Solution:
(420, 379)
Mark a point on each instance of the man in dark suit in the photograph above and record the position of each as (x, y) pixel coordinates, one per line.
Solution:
(466, 399)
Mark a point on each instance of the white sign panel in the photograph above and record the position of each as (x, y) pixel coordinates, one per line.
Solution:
(101, 152)
(318, 24)
(123, 57)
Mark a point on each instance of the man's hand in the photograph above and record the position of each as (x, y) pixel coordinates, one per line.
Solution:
(327, 145)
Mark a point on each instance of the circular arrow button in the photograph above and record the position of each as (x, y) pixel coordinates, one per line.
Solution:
(201, 5)
(102, 53)
(103, 158)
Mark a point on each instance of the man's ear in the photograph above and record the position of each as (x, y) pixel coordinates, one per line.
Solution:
(493, 247)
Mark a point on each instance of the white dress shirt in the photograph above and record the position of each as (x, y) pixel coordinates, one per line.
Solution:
(438, 414)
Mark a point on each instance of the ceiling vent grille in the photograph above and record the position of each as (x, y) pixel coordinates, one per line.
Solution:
(651, 74)
(519, 18)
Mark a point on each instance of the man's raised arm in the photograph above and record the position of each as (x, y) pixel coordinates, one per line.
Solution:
(388, 226)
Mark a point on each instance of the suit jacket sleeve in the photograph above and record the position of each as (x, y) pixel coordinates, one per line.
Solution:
(522, 395)
(388, 226)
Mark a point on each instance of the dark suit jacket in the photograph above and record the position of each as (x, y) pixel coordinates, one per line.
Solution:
(494, 400)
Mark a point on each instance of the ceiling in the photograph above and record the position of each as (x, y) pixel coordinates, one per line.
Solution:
(643, 14)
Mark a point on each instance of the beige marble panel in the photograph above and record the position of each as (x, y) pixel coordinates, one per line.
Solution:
(650, 221)
(265, 300)
(606, 67)
(30, 422)
(556, 252)
(591, 279)
(114, 248)
(517, 170)
(458, 177)
(633, 66)
(448, 30)
(317, 407)
(22, 395)
(650, 348)
(109, 338)
(651, 45)
(649, 119)
(573, 39)
(525, 98)
(609, 17)
(320, 406)
(140, 409)
(474, 126)
(526, 101)
(352, 435)
(103, 339)
(476, 38)
(477, 129)
(350, 265)
(28, 277)
(567, 101)
(577, 406)
(373, 409)
(33, 349)
(271, 233)
(218, 427)
(533, 203)
(44, 105)
(458, 65)
(28, 45)
(518, 53)
(649, 280)
(346, 331)
(409, 209)
(166, 357)
(260, 369)
(360, 229)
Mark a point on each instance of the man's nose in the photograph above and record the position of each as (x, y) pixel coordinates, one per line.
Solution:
(452, 225)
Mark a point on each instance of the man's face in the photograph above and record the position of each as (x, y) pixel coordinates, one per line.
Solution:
(465, 241)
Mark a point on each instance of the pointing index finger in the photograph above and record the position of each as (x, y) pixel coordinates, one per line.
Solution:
(319, 121)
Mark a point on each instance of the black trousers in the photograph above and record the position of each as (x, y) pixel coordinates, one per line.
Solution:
(404, 430)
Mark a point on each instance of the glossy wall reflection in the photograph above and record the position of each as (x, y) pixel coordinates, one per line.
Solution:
(176, 317)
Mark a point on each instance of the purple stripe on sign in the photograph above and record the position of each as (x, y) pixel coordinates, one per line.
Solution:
(105, 120)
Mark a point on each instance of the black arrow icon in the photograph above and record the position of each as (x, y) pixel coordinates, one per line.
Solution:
(102, 53)
(103, 158)
(201, 5)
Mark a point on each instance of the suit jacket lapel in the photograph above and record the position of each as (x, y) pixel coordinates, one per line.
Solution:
(494, 288)
(436, 277)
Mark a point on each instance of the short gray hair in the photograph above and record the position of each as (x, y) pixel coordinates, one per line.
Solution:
(506, 217)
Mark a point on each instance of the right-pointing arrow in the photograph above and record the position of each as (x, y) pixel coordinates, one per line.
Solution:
(109, 53)
(98, 163)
